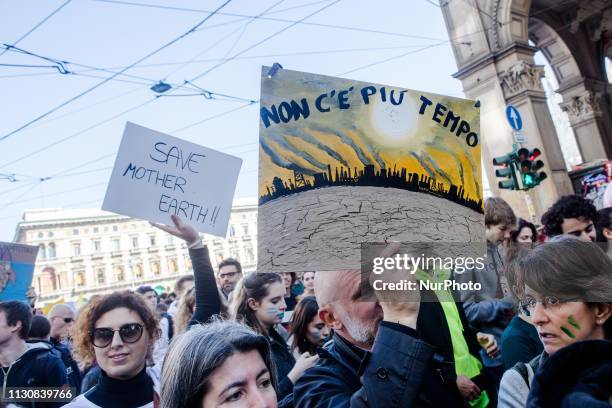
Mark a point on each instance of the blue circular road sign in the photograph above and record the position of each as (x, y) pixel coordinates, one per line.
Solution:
(514, 118)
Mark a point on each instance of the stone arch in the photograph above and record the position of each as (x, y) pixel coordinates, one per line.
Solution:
(555, 50)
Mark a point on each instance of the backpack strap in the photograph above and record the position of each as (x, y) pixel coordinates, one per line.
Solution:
(521, 368)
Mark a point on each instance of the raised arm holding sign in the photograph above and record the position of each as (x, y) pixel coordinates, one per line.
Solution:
(156, 175)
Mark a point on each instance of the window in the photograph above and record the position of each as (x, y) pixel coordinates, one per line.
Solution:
(115, 228)
(134, 242)
(119, 273)
(100, 276)
(245, 229)
(51, 251)
(50, 234)
(152, 240)
(76, 249)
(137, 272)
(172, 266)
(96, 246)
(169, 240)
(49, 281)
(79, 279)
(75, 232)
(249, 254)
(155, 268)
(96, 230)
(42, 251)
(40, 235)
(116, 244)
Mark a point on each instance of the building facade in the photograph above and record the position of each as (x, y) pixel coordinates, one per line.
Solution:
(494, 43)
(83, 252)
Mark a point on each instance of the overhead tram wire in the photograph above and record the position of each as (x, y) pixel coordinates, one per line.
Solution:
(243, 28)
(288, 54)
(114, 75)
(279, 20)
(250, 102)
(262, 41)
(44, 20)
(115, 116)
(394, 58)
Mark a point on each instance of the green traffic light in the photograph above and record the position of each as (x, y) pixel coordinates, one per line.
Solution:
(530, 180)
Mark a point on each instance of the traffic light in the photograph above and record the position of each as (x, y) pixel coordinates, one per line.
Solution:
(529, 167)
(508, 172)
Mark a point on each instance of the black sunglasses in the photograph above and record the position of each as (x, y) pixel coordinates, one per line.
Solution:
(103, 336)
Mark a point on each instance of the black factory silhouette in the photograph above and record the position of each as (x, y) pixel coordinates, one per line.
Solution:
(368, 176)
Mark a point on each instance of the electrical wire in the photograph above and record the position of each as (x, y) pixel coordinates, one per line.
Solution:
(30, 31)
(116, 74)
(218, 115)
(393, 58)
(278, 20)
(262, 41)
(80, 132)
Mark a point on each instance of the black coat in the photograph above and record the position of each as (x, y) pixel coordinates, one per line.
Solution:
(580, 373)
(37, 367)
(433, 328)
(388, 376)
(283, 362)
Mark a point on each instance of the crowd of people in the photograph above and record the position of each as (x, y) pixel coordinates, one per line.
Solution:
(538, 333)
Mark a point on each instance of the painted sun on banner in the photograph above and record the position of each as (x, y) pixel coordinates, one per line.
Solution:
(345, 162)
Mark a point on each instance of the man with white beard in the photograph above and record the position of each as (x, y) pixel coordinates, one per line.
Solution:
(375, 358)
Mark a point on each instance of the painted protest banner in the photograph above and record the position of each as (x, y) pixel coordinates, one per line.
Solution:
(345, 162)
(16, 270)
(156, 175)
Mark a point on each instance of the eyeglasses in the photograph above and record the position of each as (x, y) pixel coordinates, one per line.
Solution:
(529, 303)
(129, 333)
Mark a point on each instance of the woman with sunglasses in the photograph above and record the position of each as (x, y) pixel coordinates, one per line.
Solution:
(118, 331)
(565, 287)
(220, 364)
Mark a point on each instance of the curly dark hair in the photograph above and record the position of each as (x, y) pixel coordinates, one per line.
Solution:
(88, 317)
(524, 224)
(569, 206)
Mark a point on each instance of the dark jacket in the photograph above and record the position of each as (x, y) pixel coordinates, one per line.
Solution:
(39, 366)
(520, 343)
(390, 375)
(580, 373)
(433, 328)
(72, 368)
(208, 303)
(283, 361)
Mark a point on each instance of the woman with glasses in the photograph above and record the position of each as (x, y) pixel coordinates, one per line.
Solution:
(118, 331)
(565, 287)
(217, 365)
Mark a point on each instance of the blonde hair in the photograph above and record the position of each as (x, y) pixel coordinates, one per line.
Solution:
(186, 307)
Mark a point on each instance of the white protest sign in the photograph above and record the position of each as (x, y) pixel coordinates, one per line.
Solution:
(156, 175)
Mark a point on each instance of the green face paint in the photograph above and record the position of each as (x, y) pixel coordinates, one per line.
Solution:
(568, 332)
(573, 322)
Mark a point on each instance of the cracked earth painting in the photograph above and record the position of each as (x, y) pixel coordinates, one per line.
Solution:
(323, 229)
(344, 162)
